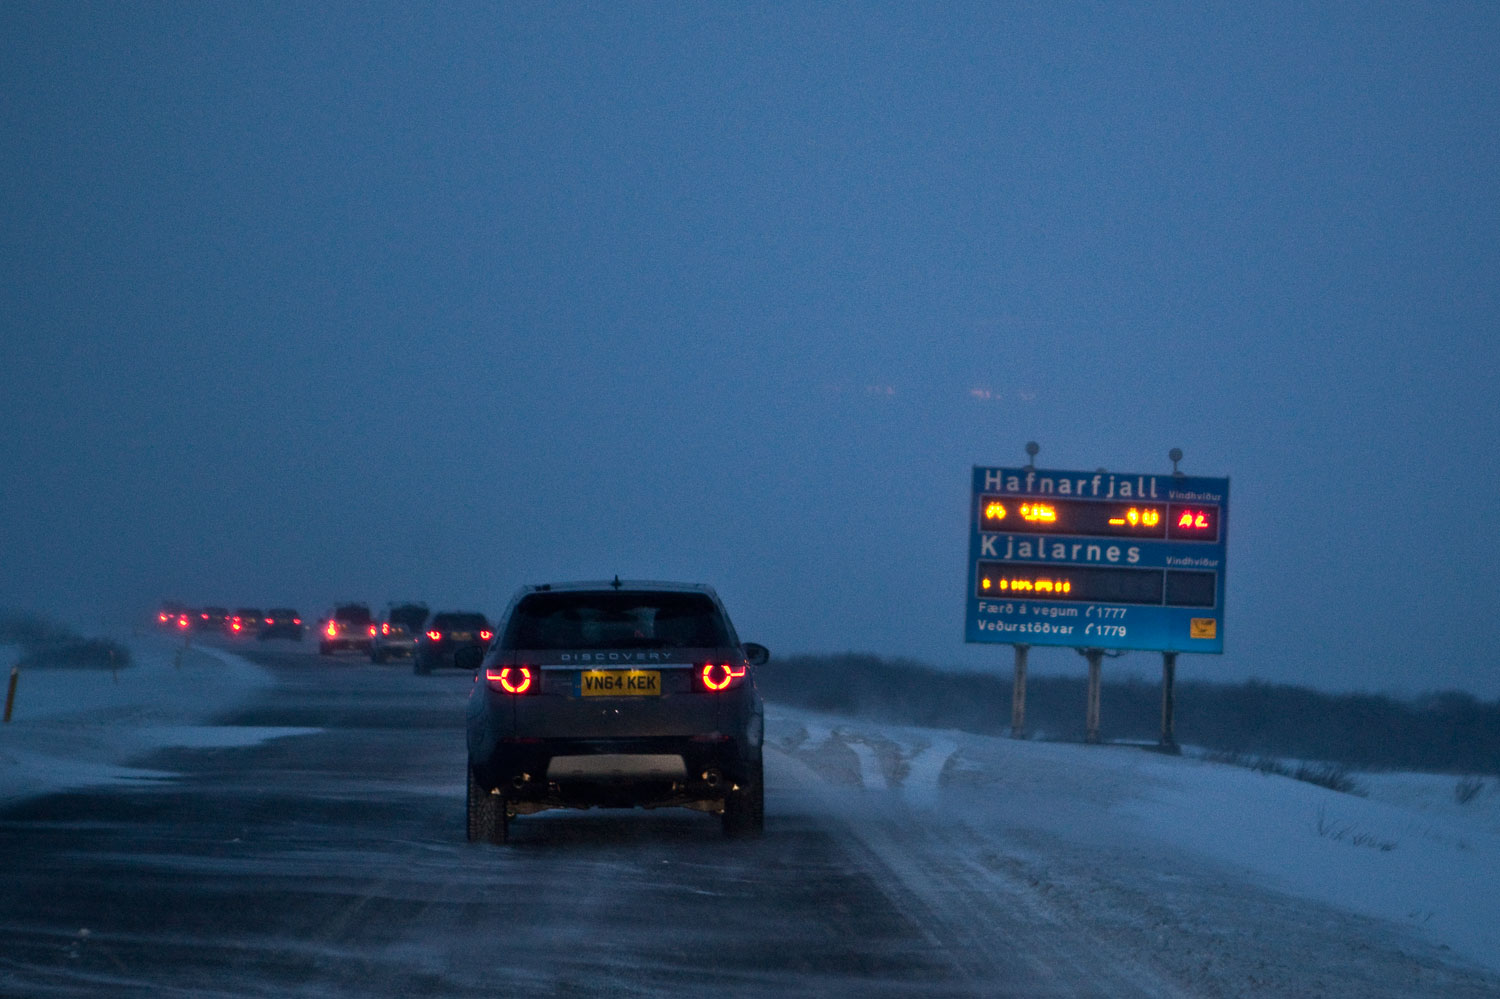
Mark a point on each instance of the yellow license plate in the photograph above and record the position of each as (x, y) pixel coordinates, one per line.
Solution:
(620, 683)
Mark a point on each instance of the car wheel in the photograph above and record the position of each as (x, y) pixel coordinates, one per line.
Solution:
(745, 805)
(488, 820)
(376, 656)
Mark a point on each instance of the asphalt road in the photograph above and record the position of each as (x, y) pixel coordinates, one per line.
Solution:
(333, 864)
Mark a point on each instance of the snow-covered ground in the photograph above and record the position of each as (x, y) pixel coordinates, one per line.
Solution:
(75, 728)
(1409, 853)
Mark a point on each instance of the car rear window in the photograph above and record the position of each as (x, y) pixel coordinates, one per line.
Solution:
(447, 622)
(409, 615)
(281, 612)
(616, 620)
(354, 613)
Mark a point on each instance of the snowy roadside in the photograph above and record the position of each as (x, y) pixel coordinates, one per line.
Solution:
(77, 728)
(1409, 854)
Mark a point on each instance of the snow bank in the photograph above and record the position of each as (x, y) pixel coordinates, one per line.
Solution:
(1397, 854)
(1410, 853)
(75, 728)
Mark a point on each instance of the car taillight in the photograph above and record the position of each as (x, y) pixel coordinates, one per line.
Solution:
(436, 636)
(385, 628)
(163, 617)
(486, 635)
(183, 621)
(332, 631)
(236, 625)
(270, 620)
(372, 631)
(296, 620)
(720, 676)
(511, 679)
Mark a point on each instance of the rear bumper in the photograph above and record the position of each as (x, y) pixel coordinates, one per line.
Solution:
(340, 644)
(565, 752)
(615, 773)
(429, 656)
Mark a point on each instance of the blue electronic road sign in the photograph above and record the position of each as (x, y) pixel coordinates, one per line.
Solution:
(1097, 560)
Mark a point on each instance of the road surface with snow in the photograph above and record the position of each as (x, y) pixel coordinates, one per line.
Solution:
(307, 840)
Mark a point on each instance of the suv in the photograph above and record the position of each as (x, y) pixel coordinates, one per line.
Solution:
(282, 622)
(446, 634)
(615, 695)
(348, 627)
(245, 621)
(396, 631)
(214, 620)
(168, 614)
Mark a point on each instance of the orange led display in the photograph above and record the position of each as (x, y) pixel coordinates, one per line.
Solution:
(1136, 517)
(1044, 513)
(1098, 518)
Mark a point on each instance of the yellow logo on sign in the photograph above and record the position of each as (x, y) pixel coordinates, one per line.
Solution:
(1203, 627)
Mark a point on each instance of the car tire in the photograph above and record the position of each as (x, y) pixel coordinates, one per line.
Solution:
(377, 656)
(488, 820)
(745, 805)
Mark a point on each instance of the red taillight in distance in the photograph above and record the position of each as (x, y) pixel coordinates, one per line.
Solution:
(486, 635)
(511, 679)
(436, 636)
(270, 620)
(372, 631)
(183, 623)
(332, 631)
(720, 676)
(236, 625)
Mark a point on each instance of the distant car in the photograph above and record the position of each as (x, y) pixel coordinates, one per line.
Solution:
(281, 622)
(445, 634)
(168, 613)
(349, 626)
(212, 620)
(396, 632)
(615, 695)
(244, 622)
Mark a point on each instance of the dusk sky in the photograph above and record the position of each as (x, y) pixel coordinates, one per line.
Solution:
(303, 304)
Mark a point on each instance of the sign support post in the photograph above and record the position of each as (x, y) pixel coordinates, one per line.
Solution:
(1168, 682)
(1018, 695)
(1095, 657)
